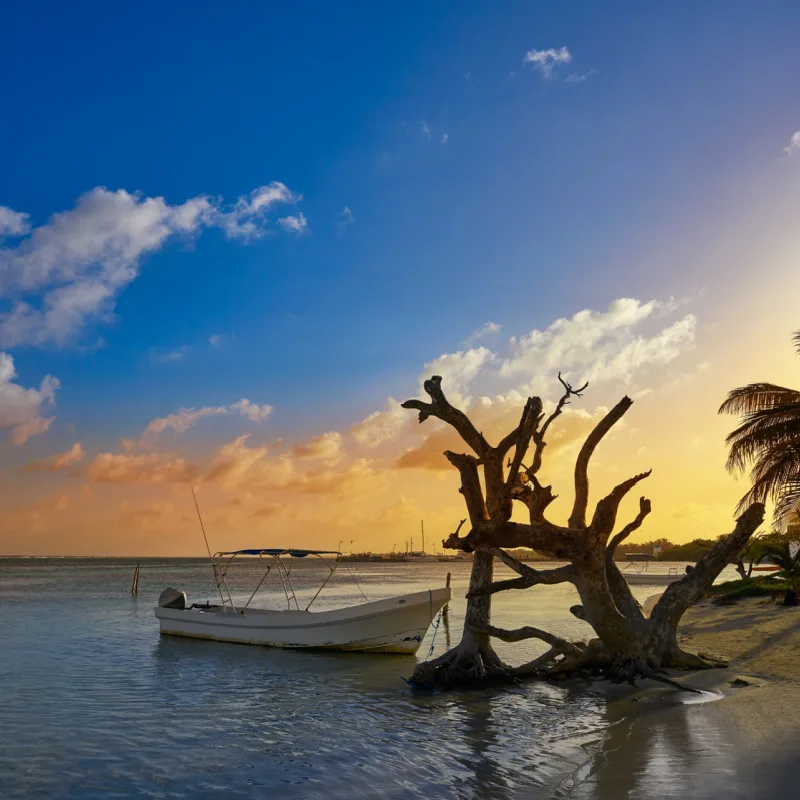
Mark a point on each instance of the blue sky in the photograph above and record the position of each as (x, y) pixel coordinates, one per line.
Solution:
(479, 186)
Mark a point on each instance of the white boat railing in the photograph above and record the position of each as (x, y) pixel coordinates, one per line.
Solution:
(220, 566)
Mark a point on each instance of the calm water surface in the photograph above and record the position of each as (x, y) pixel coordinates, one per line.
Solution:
(95, 704)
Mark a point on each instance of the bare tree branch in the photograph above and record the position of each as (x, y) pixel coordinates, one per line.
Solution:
(544, 537)
(547, 577)
(452, 542)
(508, 560)
(621, 593)
(534, 666)
(531, 416)
(644, 509)
(467, 467)
(605, 514)
(528, 632)
(539, 499)
(679, 595)
(577, 518)
(536, 464)
(440, 408)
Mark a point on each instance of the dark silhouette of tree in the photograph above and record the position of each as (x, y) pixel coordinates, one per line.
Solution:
(628, 643)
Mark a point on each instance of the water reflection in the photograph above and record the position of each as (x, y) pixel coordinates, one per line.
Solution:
(96, 704)
(669, 749)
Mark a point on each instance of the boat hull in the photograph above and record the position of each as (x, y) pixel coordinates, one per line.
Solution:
(396, 625)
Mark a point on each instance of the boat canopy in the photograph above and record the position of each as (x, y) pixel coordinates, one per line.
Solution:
(281, 551)
(220, 563)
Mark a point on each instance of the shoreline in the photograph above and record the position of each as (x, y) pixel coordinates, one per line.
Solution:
(738, 741)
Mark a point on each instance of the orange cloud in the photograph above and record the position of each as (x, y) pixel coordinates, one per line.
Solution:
(237, 466)
(150, 468)
(57, 461)
(325, 447)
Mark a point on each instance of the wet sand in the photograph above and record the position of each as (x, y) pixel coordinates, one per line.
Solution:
(737, 741)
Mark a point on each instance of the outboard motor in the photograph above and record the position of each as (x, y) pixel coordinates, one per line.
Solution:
(172, 598)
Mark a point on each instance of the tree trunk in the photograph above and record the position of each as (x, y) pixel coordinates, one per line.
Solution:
(473, 659)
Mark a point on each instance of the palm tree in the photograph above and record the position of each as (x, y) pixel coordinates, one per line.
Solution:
(769, 438)
(781, 555)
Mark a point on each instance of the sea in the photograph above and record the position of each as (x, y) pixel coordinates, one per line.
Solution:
(94, 703)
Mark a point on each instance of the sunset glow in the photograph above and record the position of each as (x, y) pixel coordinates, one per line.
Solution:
(240, 301)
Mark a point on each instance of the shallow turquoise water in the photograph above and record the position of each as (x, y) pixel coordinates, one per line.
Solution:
(95, 704)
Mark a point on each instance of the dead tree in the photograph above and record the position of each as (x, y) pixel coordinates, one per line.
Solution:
(628, 643)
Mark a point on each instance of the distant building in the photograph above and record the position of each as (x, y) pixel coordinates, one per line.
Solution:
(656, 551)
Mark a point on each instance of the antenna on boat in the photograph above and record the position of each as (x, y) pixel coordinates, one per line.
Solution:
(205, 538)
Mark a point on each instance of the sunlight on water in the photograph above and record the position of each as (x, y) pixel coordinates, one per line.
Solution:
(96, 704)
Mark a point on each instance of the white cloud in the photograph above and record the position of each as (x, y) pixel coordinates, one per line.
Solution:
(794, 144)
(13, 223)
(547, 60)
(294, 224)
(599, 346)
(485, 330)
(172, 356)
(215, 340)
(21, 410)
(459, 370)
(619, 344)
(381, 426)
(424, 127)
(346, 217)
(185, 418)
(69, 271)
(249, 217)
(253, 412)
(445, 138)
(181, 420)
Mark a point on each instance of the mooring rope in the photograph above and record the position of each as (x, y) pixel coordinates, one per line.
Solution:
(436, 625)
(430, 683)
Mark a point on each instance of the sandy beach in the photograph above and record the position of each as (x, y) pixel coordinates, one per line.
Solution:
(738, 741)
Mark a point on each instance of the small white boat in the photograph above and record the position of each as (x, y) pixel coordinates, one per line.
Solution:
(394, 625)
(637, 574)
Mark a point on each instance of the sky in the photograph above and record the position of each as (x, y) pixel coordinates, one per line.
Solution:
(234, 238)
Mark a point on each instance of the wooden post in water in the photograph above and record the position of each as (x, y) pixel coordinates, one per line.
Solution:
(447, 584)
(135, 585)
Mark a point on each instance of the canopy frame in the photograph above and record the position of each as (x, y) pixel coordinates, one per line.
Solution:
(221, 562)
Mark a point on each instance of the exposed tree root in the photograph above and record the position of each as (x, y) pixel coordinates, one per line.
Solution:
(470, 667)
(462, 667)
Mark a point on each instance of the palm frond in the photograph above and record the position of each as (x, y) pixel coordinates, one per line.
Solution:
(781, 556)
(776, 476)
(762, 431)
(757, 397)
(788, 502)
